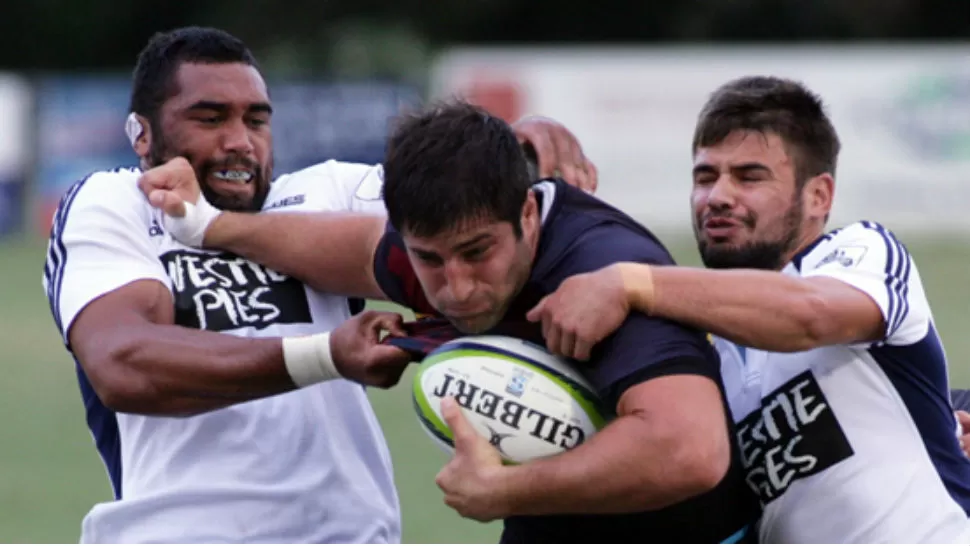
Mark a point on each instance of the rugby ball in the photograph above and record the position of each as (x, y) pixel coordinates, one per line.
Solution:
(527, 402)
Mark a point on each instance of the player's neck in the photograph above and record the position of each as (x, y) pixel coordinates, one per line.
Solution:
(806, 240)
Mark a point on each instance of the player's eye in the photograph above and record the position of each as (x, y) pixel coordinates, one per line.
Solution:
(753, 177)
(475, 254)
(208, 120)
(430, 260)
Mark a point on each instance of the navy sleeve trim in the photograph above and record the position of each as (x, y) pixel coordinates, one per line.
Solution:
(57, 254)
(898, 267)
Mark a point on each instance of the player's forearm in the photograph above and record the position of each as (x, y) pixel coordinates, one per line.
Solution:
(170, 370)
(758, 309)
(626, 467)
(330, 252)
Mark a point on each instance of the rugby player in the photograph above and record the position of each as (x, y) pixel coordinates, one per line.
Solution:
(836, 375)
(208, 437)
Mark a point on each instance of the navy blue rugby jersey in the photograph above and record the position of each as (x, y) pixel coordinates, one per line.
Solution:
(579, 234)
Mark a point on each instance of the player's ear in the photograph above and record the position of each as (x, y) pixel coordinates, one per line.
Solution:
(530, 211)
(139, 134)
(818, 194)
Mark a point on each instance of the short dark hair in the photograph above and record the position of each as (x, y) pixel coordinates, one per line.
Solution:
(154, 74)
(450, 164)
(773, 105)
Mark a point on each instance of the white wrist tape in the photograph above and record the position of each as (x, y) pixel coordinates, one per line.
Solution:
(308, 359)
(190, 229)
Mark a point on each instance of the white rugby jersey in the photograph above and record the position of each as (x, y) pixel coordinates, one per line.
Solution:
(854, 444)
(310, 466)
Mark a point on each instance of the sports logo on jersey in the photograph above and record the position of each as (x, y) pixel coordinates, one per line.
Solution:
(155, 230)
(846, 256)
(792, 436)
(218, 292)
(290, 201)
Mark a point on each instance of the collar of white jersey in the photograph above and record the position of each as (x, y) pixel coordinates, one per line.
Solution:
(796, 260)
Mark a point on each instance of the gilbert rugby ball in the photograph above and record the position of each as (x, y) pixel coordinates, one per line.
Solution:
(527, 402)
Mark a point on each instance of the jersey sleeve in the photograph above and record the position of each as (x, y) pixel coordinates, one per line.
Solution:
(643, 347)
(334, 186)
(367, 193)
(870, 258)
(330, 186)
(100, 241)
(396, 277)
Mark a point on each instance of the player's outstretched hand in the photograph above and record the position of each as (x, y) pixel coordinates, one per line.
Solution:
(558, 151)
(582, 312)
(169, 185)
(964, 419)
(358, 354)
(471, 479)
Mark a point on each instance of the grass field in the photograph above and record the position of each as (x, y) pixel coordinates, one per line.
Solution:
(50, 474)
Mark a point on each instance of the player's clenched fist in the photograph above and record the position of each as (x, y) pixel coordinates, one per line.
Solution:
(169, 185)
(174, 189)
(359, 355)
(558, 151)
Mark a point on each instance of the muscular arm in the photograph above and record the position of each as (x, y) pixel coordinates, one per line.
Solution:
(760, 309)
(856, 286)
(668, 443)
(109, 298)
(330, 252)
(139, 362)
(670, 440)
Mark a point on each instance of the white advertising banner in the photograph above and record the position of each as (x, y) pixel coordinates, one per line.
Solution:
(903, 116)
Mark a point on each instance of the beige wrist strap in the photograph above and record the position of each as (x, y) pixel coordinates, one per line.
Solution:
(638, 282)
(308, 359)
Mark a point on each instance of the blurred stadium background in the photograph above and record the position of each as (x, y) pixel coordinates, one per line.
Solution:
(627, 77)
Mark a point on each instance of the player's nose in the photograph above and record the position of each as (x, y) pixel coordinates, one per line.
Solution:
(459, 281)
(236, 138)
(723, 193)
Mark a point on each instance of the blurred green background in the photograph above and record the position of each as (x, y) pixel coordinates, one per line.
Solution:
(50, 474)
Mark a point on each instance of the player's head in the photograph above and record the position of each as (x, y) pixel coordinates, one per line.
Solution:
(764, 167)
(456, 186)
(201, 96)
